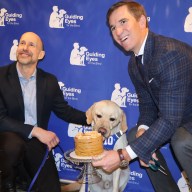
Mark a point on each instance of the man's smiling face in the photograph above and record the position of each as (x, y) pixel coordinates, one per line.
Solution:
(29, 50)
(126, 30)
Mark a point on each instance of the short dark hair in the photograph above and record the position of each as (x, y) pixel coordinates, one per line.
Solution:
(136, 9)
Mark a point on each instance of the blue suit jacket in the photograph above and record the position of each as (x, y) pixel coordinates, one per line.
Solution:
(165, 95)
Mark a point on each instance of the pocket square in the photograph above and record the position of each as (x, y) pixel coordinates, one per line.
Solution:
(151, 80)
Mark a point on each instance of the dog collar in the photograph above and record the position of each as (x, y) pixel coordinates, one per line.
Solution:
(119, 134)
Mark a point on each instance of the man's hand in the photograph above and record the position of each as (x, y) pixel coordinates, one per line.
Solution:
(146, 165)
(109, 161)
(140, 132)
(47, 137)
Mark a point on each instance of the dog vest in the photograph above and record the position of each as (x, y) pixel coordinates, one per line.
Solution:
(114, 137)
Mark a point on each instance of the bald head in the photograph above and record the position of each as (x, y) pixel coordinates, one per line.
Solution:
(33, 36)
(30, 49)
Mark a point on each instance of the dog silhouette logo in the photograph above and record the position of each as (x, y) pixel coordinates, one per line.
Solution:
(119, 95)
(57, 157)
(188, 21)
(77, 56)
(3, 11)
(56, 19)
(12, 55)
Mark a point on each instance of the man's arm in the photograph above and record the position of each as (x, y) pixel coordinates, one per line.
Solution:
(172, 101)
(47, 137)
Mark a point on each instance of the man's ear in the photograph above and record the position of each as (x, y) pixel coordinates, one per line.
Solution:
(142, 21)
(41, 55)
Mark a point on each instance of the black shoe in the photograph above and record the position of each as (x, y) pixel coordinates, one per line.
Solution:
(9, 187)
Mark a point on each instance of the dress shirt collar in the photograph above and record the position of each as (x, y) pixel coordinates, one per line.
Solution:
(21, 76)
(141, 51)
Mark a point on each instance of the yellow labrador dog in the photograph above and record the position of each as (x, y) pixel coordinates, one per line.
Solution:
(109, 119)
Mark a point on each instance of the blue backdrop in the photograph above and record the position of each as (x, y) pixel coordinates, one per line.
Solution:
(70, 28)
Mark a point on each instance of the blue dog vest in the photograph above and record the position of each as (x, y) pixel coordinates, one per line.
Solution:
(110, 142)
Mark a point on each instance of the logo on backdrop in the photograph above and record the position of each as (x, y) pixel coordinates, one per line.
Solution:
(60, 162)
(12, 54)
(81, 56)
(122, 96)
(70, 93)
(59, 18)
(73, 129)
(188, 21)
(135, 177)
(57, 157)
(56, 19)
(77, 56)
(9, 18)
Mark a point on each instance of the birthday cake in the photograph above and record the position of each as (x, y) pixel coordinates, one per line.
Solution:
(88, 144)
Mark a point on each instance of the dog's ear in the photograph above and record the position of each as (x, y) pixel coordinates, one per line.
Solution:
(124, 126)
(89, 115)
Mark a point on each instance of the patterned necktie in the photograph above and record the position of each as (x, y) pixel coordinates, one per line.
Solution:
(140, 66)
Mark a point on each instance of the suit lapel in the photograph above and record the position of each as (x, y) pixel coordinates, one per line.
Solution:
(41, 89)
(148, 54)
(148, 59)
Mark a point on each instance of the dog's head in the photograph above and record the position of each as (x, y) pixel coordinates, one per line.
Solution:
(106, 117)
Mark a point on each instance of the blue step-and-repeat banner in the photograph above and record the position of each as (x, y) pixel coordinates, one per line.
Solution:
(89, 67)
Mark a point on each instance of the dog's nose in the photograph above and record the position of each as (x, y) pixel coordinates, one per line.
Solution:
(102, 130)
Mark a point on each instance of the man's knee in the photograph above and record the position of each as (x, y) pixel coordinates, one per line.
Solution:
(181, 141)
(11, 144)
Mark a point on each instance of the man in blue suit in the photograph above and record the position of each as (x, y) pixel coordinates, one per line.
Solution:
(163, 83)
